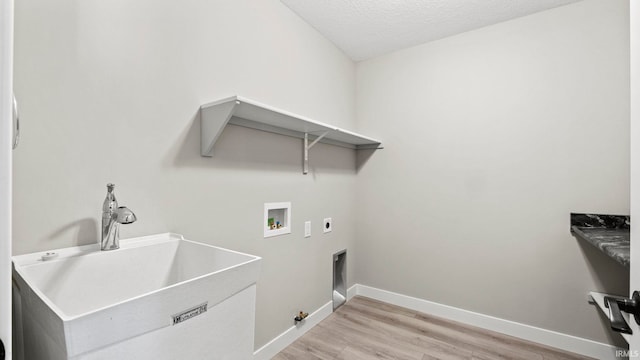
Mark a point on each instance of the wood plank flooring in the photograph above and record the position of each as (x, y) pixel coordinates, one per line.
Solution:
(364, 329)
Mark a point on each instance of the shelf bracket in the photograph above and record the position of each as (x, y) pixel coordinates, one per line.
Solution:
(307, 146)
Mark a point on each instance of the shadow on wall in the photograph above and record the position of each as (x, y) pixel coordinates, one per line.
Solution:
(610, 278)
(362, 156)
(240, 148)
(86, 232)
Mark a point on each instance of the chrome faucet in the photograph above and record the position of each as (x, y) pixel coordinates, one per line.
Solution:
(112, 216)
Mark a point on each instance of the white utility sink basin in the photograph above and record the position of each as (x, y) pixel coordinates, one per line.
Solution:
(83, 303)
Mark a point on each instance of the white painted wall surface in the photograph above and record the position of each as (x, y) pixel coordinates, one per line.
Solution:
(497, 123)
(6, 140)
(634, 284)
(492, 138)
(109, 93)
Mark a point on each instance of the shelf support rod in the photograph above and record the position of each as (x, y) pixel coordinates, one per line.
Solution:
(305, 167)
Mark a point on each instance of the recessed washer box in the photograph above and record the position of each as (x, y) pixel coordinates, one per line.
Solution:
(277, 219)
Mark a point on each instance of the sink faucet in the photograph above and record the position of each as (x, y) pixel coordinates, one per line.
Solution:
(112, 216)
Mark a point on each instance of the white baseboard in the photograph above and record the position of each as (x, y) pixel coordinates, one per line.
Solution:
(542, 336)
(352, 291)
(554, 339)
(285, 339)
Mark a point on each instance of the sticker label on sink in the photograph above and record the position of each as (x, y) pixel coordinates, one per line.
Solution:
(188, 314)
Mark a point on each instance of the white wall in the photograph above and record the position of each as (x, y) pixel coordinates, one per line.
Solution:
(110, 91)
(6, 142)
(492, 138)
(634, 18)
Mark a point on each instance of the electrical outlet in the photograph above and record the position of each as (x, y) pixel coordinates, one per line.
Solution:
(307, 229)
(327, 227)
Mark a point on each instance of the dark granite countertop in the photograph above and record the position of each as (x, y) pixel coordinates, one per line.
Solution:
(609, 233)
(613, 242)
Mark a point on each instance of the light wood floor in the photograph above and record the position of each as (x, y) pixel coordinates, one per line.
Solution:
(368, 329)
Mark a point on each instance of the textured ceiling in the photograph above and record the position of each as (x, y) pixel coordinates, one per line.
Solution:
(367, 28)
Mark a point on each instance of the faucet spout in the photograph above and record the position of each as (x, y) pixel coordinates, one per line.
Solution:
(122, 215)
(112, 216)
(125, 216)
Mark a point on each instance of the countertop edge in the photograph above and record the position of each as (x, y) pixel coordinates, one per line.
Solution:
(615, 255)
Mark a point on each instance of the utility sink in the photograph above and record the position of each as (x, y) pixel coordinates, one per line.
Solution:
(83, 303)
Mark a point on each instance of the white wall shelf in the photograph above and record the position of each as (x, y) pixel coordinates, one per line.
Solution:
(240, 111)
